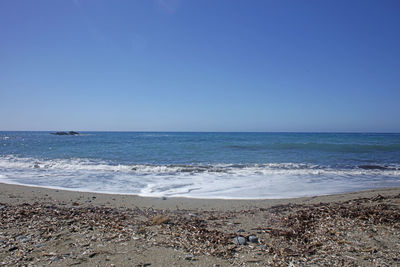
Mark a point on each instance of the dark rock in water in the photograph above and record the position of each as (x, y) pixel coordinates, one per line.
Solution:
(372, 167)
(253, 239)
(60, 133)
(240, 240)
(65, 133)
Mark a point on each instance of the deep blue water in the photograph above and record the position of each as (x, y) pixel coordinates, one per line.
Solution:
(209, 165)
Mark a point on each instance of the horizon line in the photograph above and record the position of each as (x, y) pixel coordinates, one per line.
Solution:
(149, 131)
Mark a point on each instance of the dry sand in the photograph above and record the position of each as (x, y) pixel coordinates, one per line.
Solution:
(62, 228)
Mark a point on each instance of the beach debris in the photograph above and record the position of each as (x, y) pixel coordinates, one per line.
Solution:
(253, 239)
(377, 198)
(240, 240)
(353, 233)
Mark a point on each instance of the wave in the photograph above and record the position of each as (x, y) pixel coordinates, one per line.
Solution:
(61, 164)
(249, 181)
(81, 164)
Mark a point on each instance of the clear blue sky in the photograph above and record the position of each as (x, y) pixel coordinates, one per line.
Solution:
(175, 65)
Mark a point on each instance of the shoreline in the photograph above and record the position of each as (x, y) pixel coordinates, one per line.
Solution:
(42, 226)
(28, 193)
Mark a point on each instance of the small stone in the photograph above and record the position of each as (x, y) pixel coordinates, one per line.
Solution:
(240, 240)
(189, 257)
(253, 239)
(192, 214)
(160, 219)
(241, 231)
(22, 238)
(91, 255)
(55, 259)
(12, 248)
(40, 245)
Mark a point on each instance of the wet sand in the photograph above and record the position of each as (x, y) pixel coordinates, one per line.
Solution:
(64, 228)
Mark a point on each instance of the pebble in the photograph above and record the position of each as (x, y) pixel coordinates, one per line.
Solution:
(12, 248)
(189, 257)
(240, 240)
(241, 231)
(253, 239)
(40, 245)
(22, 238)
(160, 219)
(55, 259)
(91, 255)
(192, 214)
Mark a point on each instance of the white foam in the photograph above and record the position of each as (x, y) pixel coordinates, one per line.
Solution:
(283, 180)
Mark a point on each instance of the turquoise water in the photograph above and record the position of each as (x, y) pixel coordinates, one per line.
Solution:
(202, 165)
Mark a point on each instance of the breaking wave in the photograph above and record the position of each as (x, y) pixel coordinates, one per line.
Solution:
(249, 181)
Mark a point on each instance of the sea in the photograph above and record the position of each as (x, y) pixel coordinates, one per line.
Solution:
(202, 165)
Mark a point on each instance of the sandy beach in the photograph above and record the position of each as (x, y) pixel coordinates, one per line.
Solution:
(64, 228)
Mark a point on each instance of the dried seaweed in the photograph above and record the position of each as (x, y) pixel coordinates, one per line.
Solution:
(355, 232)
